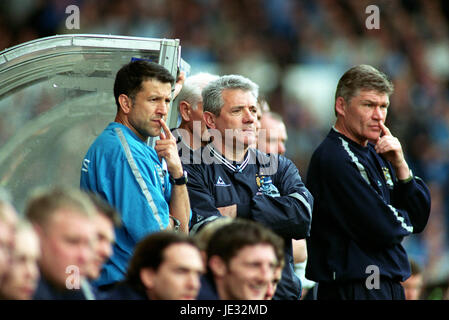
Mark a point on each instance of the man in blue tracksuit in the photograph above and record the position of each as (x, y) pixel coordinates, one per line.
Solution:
(237, 181)
(146, 185)
(367, 198)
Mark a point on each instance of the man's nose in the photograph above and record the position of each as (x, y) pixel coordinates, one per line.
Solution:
(270, 290)
(378, 113)
(162, 108)
(193, 281)
(266, 273)
(248, 116)
(281, 148)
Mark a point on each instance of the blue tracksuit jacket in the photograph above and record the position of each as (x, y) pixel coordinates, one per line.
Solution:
(127, 173)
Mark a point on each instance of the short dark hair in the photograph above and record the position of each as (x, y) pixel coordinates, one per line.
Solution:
(363, 77)
(129, 78)
(149, 253)
(228, 240)
(105, 209)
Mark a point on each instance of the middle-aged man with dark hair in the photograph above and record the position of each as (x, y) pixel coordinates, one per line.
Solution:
(236, 180)
(242, 258)
(165, 266)
(368, 199)
(146, 185)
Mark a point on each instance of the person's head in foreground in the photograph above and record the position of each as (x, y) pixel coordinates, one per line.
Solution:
(242, 259)
(106, 219)
(20, 281)
(166, 266)
(62, 218)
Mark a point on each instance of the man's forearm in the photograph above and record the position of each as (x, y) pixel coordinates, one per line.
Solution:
(180, 206)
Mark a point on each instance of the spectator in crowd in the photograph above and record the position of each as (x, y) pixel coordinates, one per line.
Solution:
(63, 222)
(237, 181)
(273, 135)
(8, 221)
(241, 260)
(132, 176)
(206, 231)
(258, 123)
(263, 105)
(202, 232)
(165, 266)
(105, 221)
(193, 133)
(369, 198)
(413, 286)
(21, 279)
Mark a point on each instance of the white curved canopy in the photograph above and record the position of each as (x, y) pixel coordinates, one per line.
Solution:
(56, 96)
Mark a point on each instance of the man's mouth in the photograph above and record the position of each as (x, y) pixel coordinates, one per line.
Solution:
(257, 289)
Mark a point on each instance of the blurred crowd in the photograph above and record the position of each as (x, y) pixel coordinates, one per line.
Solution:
(269, 40)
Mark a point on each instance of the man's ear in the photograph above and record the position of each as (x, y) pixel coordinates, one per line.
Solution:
(147, 277)
(125, 103)
(185, 109)
(209, 119)
(218, 266)
(340, 106)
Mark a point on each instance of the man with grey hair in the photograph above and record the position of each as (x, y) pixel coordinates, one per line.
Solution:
(238, 181)
(192, 132)
(369, 199)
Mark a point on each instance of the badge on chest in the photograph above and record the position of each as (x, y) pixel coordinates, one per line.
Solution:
(265, 186)
(387, 176)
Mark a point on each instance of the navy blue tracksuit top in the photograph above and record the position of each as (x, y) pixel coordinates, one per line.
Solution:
(361, 213)
(266, 188)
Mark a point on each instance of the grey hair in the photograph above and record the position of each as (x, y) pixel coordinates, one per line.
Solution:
(193, 85)
(363, 77)
(212, 93)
